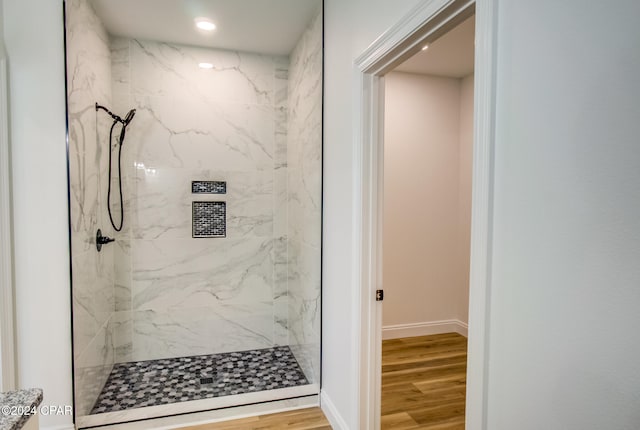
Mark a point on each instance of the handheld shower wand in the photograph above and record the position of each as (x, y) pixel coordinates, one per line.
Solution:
(125, 122)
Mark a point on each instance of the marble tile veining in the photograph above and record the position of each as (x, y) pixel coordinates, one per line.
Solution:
(252, 122)
(304, 194)
(163, 68)
(228, 124)
(201, 330)
(93, 278)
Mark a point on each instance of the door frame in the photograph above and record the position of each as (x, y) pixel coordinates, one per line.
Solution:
(423, 24)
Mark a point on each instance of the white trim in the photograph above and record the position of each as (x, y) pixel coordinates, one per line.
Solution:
(63, 427)
(7, 325)
(367, 253)
(406, 37)
(426, 328)
(215, 403)
(427, 21)
(217, 416)
(481, 214)
(331, 412)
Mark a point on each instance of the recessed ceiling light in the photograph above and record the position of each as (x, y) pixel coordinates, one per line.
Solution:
(205, 65)
(425, 47)
(205, 24)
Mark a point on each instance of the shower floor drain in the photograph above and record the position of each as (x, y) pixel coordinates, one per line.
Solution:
(206, 381)
(159, 382)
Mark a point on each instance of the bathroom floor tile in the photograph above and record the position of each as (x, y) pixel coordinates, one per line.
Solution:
(160, 382)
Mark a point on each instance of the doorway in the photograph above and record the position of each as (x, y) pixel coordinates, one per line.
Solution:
(429, 20)
(428, 141)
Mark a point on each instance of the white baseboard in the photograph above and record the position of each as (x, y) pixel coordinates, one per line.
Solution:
(63, 427)
(332, 414)
(424, 329)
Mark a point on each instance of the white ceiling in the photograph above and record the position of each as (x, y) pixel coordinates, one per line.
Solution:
(452, 55)
(268, 27)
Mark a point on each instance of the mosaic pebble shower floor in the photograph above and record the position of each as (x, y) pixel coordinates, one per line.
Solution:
(160, 382)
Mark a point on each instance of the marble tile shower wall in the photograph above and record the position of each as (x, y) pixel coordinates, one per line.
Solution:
(304, 199)
(89, 81)
(176, 295)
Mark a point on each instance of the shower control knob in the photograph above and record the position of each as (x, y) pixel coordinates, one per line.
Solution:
(102, 240)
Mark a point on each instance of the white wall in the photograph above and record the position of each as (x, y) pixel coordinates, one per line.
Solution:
(566, 244)
(33, 31)
(424, 263)
(350, 26)
(564, 323)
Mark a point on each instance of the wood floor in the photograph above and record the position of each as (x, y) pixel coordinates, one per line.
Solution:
(423, 387)
(301, 419)
(424, 382)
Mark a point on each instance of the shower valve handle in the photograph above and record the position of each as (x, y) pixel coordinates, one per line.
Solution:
(102, 240)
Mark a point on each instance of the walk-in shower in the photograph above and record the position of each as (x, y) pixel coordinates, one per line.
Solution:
(207, 296)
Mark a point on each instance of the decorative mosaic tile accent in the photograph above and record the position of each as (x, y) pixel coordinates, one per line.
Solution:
(208, 187)
(159, 382)
(209, 219)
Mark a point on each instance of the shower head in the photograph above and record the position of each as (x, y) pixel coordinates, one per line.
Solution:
(129, 117)
(125, 122)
